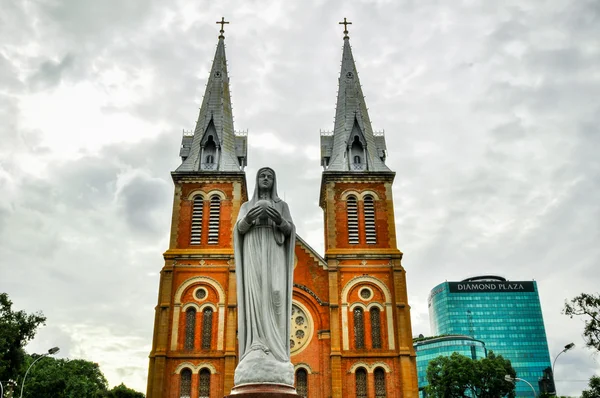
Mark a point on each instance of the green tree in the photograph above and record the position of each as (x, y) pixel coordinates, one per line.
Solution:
(454, 376)
(594, 391)
(121, 391)
(588, 306)
(489, 377)
(450, 377)
(64, 378)
(17, 328)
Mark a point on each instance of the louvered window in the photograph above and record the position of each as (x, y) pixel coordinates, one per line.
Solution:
(207, 316)
(361, 383)
(352, 210)
(214, 220)
(375, 327)
(359, 328)
(190, 328)
(370, 231)
(185, 383)
(197, 208)
(204, 384)
(302, 382)
(380, 391)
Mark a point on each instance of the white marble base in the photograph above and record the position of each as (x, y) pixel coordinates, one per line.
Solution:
(261, 367)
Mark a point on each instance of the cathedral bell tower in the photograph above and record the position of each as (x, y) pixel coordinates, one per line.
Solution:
(371, 337)
(194, 343)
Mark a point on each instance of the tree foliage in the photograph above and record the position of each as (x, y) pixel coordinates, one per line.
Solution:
(454, 376)
(594, 391)
(48, 377)
(450, 377)
(122, 391)
(587, 305)
(17, 328)
(64, 378)
(71, 378)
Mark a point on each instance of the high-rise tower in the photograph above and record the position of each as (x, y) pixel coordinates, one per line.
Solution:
(194, 344)
(371, 337)
(505, 315)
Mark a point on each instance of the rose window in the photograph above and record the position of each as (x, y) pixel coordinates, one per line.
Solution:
(201, 294)
(301, 329)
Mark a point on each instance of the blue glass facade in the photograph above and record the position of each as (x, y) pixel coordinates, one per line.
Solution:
(446, 345)
(506, 315)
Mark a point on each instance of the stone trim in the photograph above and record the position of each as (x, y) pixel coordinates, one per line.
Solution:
(388, 308)
(196, 368)
(370, 367)
(199, 279)
(313, 294)
(217, 192)
(220, 310)
(303, 366)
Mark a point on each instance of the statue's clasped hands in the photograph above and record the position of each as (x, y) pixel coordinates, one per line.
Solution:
(258, 210)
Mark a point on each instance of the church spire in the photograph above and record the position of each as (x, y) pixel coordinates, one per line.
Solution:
(214, 146)
(352, 146)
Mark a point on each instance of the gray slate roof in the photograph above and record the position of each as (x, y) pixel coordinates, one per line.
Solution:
(350, 110)
(216, 106)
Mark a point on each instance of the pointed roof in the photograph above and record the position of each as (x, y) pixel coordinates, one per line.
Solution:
(215, 118)
(351, 120)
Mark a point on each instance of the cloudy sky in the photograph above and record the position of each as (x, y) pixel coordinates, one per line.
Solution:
(490, 109)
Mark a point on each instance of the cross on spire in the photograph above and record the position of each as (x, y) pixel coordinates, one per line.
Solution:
(222, 22)
(345, 23)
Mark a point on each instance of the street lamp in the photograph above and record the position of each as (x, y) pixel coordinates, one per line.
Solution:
(51, 351)
(512, 380)
(567, 348)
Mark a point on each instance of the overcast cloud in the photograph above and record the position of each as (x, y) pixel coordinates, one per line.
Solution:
(491, 112)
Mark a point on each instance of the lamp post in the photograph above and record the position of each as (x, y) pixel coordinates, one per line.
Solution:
(51, 351)
(567, 348)
(512, 380)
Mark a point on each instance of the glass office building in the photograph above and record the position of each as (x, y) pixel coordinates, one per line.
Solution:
(506, 315)
(429, 348)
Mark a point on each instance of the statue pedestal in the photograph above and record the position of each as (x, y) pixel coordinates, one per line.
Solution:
(259, 390)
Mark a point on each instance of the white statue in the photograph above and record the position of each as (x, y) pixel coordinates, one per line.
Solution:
(264, 238)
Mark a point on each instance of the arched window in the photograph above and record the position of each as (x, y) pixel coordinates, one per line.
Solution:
(380, 391)
(359, 328)
(361, 383)
(214, 220)
(375, 327)
(210, 150)
(370, 231)
(352, 212)
(185, 383)
(357, 153)
(204, 384)
(302, 382)
(207, 316)
(190, 328)
(197, 208)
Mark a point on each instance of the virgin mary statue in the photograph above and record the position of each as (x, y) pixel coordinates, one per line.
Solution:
(264, 238)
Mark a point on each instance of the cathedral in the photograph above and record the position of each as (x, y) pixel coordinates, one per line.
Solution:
(350, 330)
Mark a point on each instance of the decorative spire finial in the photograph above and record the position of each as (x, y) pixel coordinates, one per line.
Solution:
(345, 23)
(222, 22)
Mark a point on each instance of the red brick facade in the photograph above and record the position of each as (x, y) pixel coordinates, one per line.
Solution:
(367, 278)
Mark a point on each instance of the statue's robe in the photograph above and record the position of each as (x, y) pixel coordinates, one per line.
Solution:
(264, 260)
